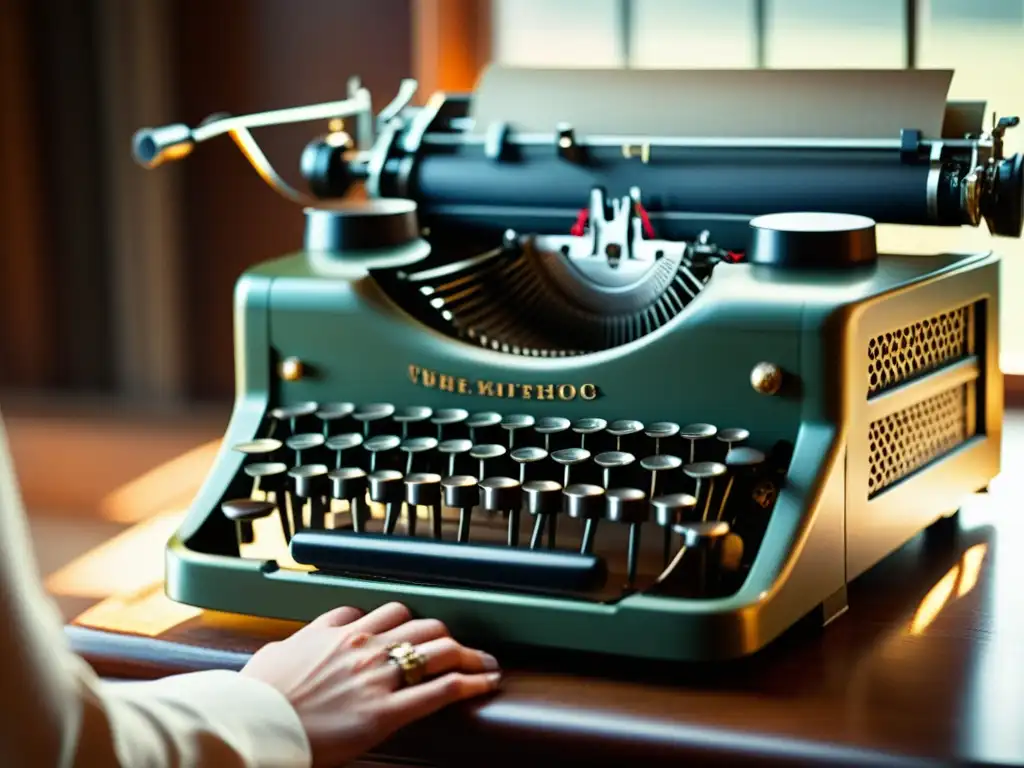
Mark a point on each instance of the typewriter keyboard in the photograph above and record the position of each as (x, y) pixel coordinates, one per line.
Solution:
(583, 508)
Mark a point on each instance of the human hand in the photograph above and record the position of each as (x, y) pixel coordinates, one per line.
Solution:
(336, 674)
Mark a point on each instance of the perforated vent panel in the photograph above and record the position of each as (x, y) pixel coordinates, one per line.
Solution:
(903, 353)
(909, 439)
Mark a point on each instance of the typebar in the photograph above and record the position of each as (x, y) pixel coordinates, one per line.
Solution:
(422, 560)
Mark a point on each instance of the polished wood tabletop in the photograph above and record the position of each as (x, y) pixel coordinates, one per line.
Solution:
(926, 668)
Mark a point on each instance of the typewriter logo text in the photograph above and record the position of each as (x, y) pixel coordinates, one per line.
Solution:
(460, 385)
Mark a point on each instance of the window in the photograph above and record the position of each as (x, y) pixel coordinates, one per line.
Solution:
(983, 42)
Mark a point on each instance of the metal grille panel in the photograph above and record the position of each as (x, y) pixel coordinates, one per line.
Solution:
(907, 440)
(906, 352)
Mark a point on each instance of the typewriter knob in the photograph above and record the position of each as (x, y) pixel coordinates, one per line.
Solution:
(377, 233)
(812, 240)
(766, 378)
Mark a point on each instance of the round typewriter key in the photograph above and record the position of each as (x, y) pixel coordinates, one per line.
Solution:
(702, 534)
(744, 457)
(551, 425)
(701, 471)
(380, 445)
(584, 501)
(503, 494)
(462, 492)
(661, 430)
(242, 512)
(372, 413)
(446, 419)
(414, 446)
(695, 432)
(292, 413)
(350, 484)
(483, 426)
(543, 500)
(454, 448)
(413, 414)
(311, 483)
(702, 557)
(335, 411)
(569, 457)
(733, 435)
(423, 489)
(269, 476)
(527, 456)
(258, 447)
(624, 428)
(514, 423)
(341, 443)
(588, 426)
(612, 460)
(304, 442)
(669, 511)
(387, 488)
(629, 506)
(661, 462)
(485, 453)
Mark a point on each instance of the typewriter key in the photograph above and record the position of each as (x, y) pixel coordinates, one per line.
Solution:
(551, 425)
(732, 436)
(272, 478)
(584, 501)
(661, 462)
(527, 457)
(330, 413)
(413, 414)
(292, 414)
(341, 443)
(483, 426)
(350, 484)
(311, 484)
(386, 488)
(570, 457)
(588, 426)
(629, 506)
(304, 442)
(515, 422)
(705, 470)
(669, 511)
(454, 448)
(738, 460)
(448, 417)
(379, 446)
(243, 512)
(543, 501)
(414, 446)
(695, 432)
(613, 460)
(258, 447)
(462, 492)
(661, 430)
(623, 428)
(701, 556)
(368, 415)
(503, 494)
(485, 453)
(423, 489)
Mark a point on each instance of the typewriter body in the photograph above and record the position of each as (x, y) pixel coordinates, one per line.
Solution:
(649, 394)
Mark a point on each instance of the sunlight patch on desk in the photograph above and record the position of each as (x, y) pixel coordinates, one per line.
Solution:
(147, 612)
(957, 583)
(124, 564)
(171, 485)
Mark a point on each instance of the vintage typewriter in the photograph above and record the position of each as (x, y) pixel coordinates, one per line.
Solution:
(568, 373)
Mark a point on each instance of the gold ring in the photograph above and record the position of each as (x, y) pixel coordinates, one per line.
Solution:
(409, 661)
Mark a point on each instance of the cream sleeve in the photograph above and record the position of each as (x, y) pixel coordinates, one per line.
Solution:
(56, 712)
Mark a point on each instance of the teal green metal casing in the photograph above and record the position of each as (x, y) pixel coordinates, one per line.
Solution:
(358, 345)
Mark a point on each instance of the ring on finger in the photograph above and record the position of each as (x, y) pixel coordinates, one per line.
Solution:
(410, 662)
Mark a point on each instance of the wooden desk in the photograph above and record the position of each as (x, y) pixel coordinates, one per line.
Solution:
(927, 667)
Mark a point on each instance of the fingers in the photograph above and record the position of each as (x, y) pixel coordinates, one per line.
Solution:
(411, 704)
(441, 656)
(416, 631)
(385, 618)
(338, 617)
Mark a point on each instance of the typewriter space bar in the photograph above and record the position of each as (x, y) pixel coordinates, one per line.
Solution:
(426, 561)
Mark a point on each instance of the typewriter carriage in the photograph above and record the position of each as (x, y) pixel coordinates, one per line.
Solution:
(874, 461)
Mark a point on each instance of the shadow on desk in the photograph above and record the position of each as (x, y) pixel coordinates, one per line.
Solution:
(926, 666)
